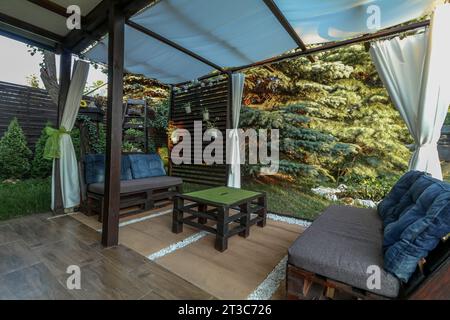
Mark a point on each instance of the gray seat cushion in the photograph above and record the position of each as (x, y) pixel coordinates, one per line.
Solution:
(341, 244)
(136, 185)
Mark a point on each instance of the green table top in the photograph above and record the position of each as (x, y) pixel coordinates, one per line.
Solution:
(223, 195)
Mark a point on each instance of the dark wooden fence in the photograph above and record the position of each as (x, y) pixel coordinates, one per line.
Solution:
(31, 106)
(217, 101)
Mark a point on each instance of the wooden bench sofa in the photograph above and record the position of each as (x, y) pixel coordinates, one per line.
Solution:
(144, 184)
(350, 253)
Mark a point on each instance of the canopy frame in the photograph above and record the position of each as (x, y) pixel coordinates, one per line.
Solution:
(111, 16)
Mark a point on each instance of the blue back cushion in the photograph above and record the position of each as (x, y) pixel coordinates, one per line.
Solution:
(416, 215)
(146, 165)
(390, 208)
(94, 168)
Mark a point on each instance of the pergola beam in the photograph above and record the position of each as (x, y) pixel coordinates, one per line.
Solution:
(35, 43)
(95, 23)
(286, 25)
(51, 6)
(14, 22)
(172, 44)
(116, 47)
(338, 44)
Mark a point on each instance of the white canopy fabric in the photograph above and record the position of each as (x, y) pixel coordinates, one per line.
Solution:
(150, 57)
(228, 33)
(233, 33)
(333, 20)
(237, 83)
(70, 187)
(415, 71)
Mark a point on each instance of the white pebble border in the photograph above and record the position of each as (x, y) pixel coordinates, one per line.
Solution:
(176, 246)
(131, 221)
(268, 287)
(289, 220)
(62, 215)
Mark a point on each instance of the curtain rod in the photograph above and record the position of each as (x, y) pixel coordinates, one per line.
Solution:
(327, 46)
(334, 45)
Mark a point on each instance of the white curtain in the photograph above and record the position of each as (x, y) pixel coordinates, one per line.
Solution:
(415, 71)
(70, 187)
(237, 84)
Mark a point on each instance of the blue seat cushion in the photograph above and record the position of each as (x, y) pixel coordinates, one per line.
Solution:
(398, 198)
(416, 215)
(146, 165)
(94, 168)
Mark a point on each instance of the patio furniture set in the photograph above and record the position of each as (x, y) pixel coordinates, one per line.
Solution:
(144, 184)
(403, 243)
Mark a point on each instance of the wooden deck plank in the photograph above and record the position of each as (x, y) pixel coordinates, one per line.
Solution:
(36, 231)
(14, 256)
(152, 235)
(35, 268)
(7, 234)
(35, 282)
(71, 251)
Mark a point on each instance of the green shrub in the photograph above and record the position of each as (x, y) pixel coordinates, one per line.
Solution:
(134, 133)
(96, 136)
(40, 167)
(371, 188)
(14, 153)
(161, 116)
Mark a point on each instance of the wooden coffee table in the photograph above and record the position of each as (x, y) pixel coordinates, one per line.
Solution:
(216, 204)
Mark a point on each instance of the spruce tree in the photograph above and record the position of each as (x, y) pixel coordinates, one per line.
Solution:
(14, 153)
(335, 118)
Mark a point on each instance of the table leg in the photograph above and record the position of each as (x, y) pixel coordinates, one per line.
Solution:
(244, 221)
(262, 201)
(222, 229)
(177, 219)
(202, 208)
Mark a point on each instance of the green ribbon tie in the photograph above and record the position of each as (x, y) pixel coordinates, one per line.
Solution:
(51, 150)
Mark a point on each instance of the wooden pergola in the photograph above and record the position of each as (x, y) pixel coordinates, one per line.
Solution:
(111, 17)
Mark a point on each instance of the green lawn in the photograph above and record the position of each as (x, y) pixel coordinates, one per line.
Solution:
(283, 197)
(24, 197)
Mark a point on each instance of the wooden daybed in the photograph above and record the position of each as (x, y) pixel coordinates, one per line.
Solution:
(138, 192)
(336, 255)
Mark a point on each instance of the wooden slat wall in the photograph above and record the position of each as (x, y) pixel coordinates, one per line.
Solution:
(216, 100)
(32, 107)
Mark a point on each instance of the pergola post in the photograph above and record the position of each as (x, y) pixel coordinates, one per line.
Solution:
(65, 68)
(116, 23)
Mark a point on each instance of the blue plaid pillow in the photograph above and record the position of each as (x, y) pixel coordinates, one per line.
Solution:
(422, 218)
(146, 165)
(94, 168)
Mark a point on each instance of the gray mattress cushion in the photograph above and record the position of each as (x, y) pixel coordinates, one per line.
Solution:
(135, 185)
(341, 244)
